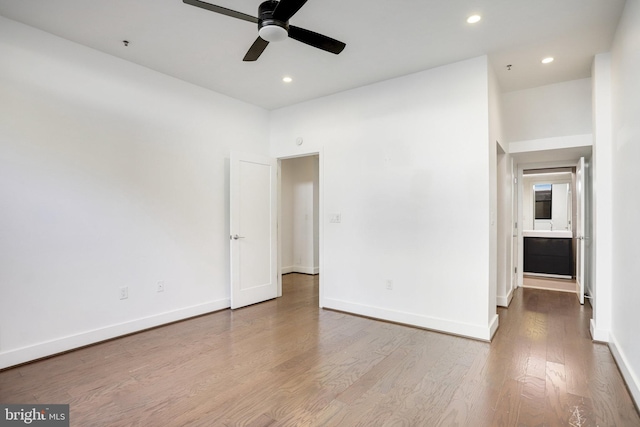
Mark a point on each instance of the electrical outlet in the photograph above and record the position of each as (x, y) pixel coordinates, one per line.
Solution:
(160, 287)
(124, 292)
(390, 285)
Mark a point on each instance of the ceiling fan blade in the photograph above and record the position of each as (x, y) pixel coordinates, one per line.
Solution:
(287, 8)
(316, 40)
(221, 10)
(256, 49)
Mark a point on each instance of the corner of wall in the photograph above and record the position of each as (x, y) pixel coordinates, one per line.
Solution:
(598, 335)
(505, 300)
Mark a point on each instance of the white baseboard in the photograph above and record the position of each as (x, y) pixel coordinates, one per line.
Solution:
(626, 369)
(505, 300)
(493, 326)
(599, 335)
(479, 332)
(300, 269)
(50, 348)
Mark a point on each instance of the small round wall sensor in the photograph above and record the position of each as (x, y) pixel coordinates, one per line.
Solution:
(299, 140)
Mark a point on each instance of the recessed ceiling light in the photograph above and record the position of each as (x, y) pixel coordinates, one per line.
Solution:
(547, 60)
(473, 19)
(287, 79)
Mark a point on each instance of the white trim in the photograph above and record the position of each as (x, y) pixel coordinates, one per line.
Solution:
(285, 270)
(630, 377)
(279, 267)
(493, 326)
(599, 335)
(300, 269)
(479, 332)
(553, 143)
(522, 166)
(305, 270)
(71, 342)
(505, 300)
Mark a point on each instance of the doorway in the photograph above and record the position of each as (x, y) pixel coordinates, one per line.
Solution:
(552, 216)
(549, 228)
(299, 217)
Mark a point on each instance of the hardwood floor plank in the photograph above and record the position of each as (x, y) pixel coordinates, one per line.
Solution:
(474, 400)
(556, 413)
(286, 362)
(367, 381)
(531, 411)
(508, 406)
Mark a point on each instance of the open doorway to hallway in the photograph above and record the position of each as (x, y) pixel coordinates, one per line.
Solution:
(549, 223)
(555, 226)
(299, 220)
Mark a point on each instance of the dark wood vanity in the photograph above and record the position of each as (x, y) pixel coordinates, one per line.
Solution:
(549, 255)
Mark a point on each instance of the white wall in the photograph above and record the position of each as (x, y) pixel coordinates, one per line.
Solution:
(299, 217)
(405, 163)
(556, 110)
(602, 203)
(111, 175)
(626, 197)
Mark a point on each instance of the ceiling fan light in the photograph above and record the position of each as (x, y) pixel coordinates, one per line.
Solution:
(273, 33)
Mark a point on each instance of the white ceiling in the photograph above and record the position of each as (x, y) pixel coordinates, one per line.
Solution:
(385, 39)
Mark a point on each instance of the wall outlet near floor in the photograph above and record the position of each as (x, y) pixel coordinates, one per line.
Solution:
(160, 287)
(124, 292)
(390, 285)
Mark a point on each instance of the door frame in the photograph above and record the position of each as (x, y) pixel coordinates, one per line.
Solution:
(321, 215)
(581, 229)
(520, 188)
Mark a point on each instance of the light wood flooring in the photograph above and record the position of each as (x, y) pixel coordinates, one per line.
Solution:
(287, 363)
(564, 285)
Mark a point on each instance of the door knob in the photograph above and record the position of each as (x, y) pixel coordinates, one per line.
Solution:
(236, 237)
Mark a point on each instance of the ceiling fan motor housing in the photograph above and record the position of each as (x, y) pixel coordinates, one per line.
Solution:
(271, 29)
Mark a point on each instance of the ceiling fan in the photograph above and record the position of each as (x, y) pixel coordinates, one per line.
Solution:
(273, 25)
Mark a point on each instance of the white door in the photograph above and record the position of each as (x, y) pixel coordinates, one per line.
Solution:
(580, 229)
(253, 236)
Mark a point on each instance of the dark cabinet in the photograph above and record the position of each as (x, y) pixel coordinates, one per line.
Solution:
(548, 255)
